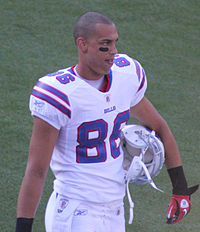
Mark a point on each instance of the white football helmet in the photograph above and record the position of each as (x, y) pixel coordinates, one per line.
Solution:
(140, 143)
(143, 157)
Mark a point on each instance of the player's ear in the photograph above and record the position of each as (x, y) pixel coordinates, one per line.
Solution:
(82, 44)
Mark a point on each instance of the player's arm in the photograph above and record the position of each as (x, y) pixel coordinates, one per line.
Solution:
(148, 116)
(145, 112)
(42, 142)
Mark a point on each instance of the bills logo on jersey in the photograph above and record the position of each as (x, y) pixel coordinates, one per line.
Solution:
(62, 205)
(107, 110)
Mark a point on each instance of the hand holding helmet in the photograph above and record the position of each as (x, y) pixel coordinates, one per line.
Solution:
(141, 144)
(143, 158)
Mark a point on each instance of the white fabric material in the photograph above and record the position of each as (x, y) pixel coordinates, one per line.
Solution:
(88, 120)
(94, 83)
(67, 215)
(59, 213)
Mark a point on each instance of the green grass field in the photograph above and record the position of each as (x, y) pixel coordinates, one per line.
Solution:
(36, 39)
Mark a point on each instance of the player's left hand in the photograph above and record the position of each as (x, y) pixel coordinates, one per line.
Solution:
(179, 206)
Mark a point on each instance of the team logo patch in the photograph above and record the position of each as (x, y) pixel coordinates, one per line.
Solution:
(81, 212)
(110, 109)
(38, 103)
(107, 98)
(184, 204)
(62, 205)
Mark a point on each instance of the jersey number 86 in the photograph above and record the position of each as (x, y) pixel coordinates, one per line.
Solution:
(101, 128)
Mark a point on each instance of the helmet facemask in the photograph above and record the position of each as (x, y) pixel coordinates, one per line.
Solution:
(143, 157)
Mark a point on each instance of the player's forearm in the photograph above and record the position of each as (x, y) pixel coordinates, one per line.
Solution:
(172, 154)
(146, 113)
(29, 196)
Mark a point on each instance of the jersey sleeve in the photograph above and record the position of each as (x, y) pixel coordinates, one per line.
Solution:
(50, 104)
(142, 84)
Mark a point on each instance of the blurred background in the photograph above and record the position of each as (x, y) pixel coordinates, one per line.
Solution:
(163, 35)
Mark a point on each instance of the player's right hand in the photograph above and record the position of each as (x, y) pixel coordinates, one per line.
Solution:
(179, 206)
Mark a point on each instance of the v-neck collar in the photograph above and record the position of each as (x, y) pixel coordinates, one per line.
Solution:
(107, 79)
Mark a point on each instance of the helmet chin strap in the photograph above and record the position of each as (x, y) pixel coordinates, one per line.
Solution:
(137, 166)
(150, 181)
(143, 158)
(131, 203)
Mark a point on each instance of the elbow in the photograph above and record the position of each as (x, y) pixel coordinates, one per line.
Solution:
(38, 173)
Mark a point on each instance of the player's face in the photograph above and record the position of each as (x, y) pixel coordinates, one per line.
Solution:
(102, 49)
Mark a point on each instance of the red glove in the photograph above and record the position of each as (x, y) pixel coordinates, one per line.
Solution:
(179, 206)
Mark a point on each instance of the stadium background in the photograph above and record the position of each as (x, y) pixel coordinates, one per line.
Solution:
(36, 39)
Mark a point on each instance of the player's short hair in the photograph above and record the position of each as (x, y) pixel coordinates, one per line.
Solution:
(85, 24)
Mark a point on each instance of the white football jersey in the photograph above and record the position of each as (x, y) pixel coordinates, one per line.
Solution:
(87, 159)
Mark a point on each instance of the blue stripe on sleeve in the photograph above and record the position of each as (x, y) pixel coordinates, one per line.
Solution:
(54, 91)
(137, 69)
(143, 80)
(51, 101)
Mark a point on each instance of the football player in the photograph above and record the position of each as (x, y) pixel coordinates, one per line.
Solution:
(78, 115)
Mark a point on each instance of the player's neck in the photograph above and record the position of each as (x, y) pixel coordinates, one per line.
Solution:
(87, 73)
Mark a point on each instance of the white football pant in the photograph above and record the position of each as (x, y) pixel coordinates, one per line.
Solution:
(68, 215)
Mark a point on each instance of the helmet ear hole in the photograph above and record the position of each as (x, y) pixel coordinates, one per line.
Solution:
(148, 157)
(133, 151)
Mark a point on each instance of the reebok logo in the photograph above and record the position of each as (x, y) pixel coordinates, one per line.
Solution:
(80, 212)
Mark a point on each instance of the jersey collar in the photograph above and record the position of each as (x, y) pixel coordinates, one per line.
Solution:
(107, 79)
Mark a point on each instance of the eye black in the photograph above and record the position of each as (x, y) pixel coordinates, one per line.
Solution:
(103, 49)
